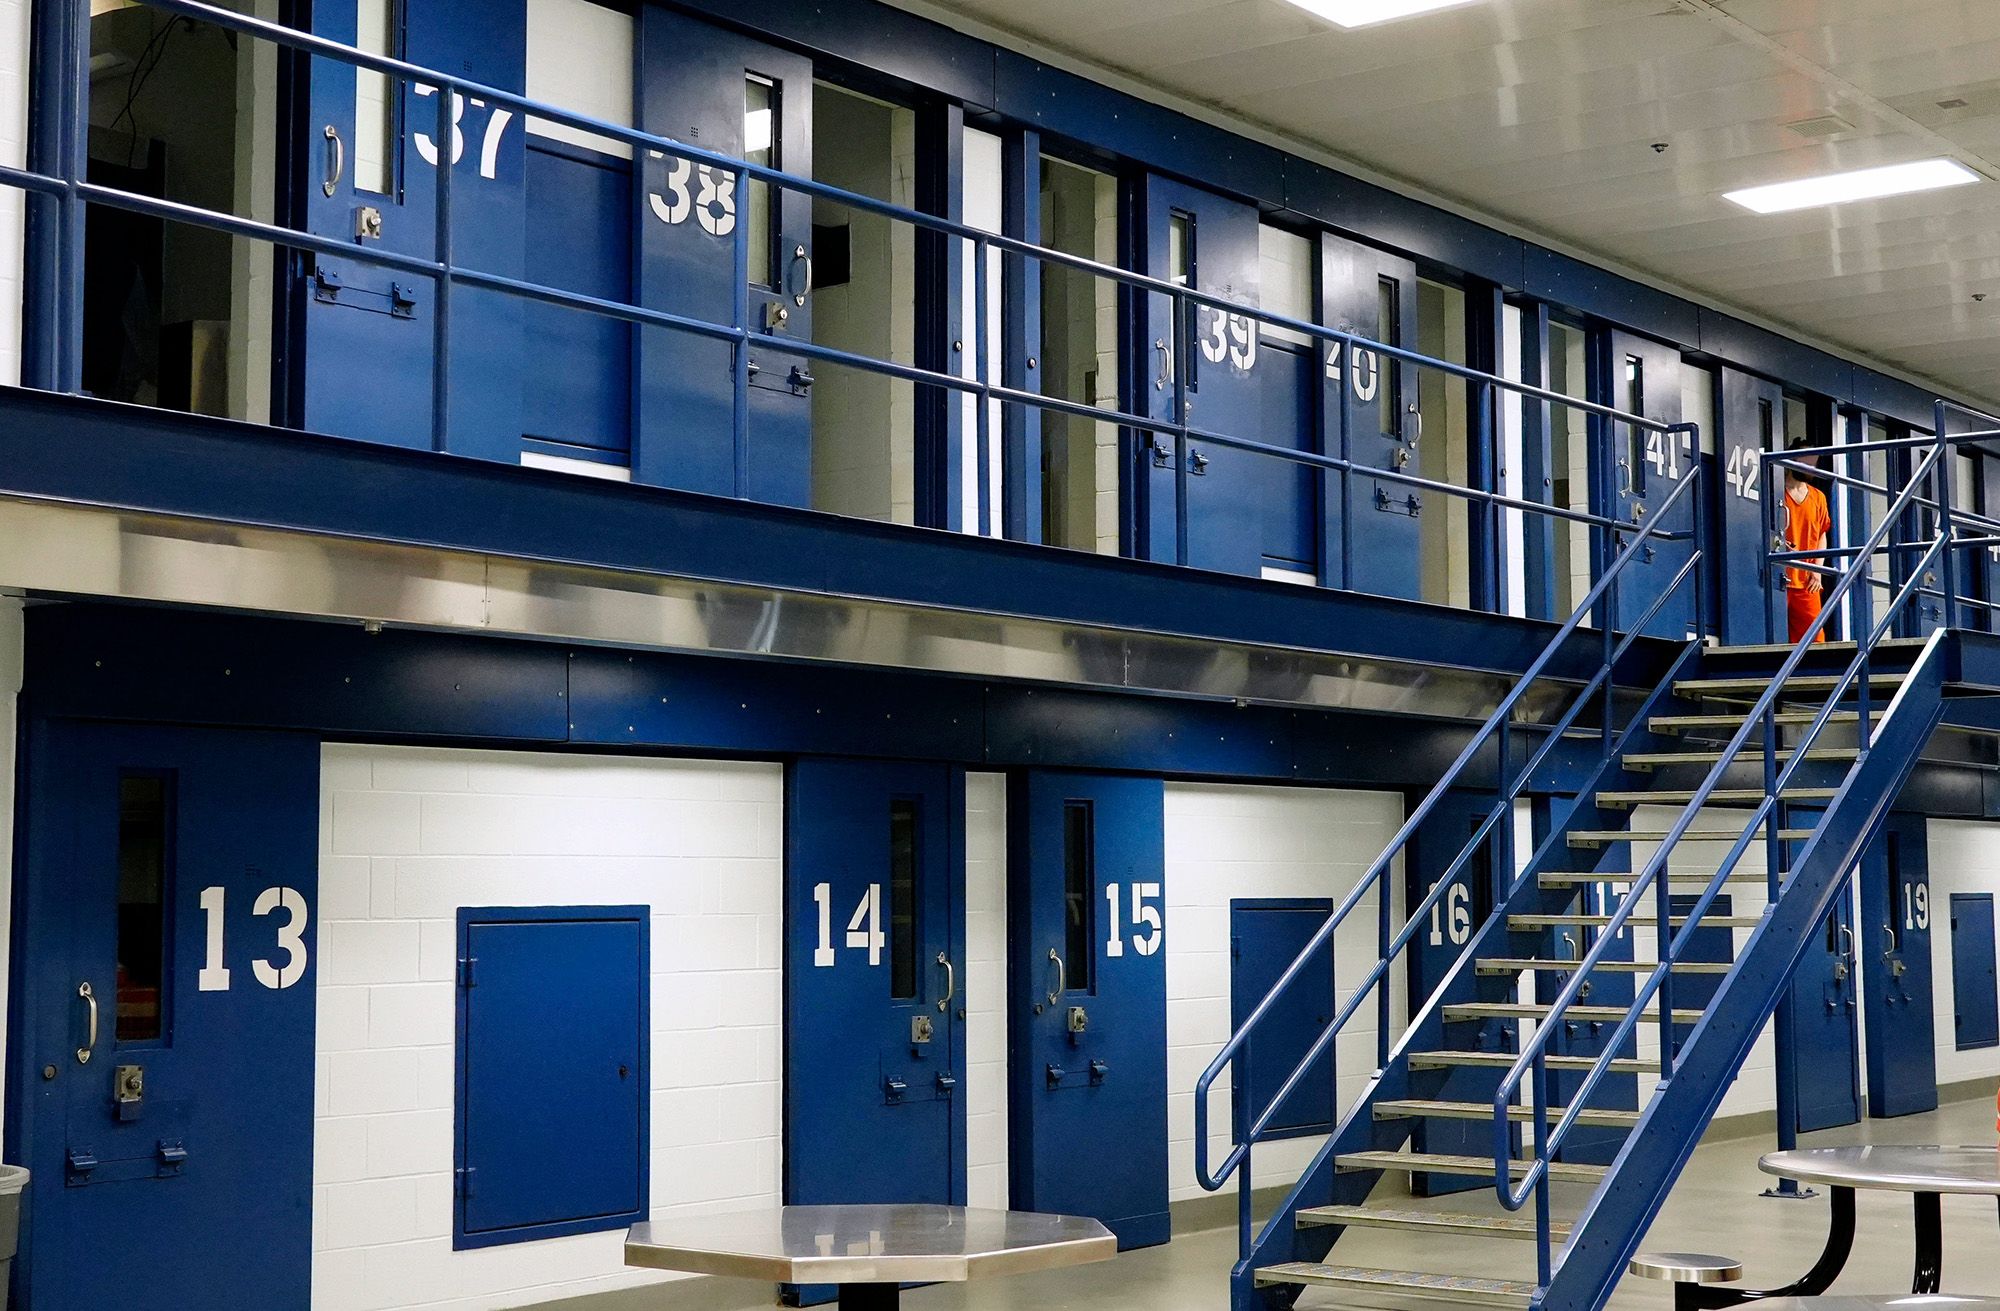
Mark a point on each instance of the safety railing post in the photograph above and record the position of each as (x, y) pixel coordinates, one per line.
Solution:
(739, 319)
(982, 418)
(1703, 560)
(75, 139)
(1663, 907)
(1540, 1101)
(1181, 338)
(1489, 588)
(1500, 878)
(1382, 986)
(443, 243)
(1948, 558)
(1245, 1221)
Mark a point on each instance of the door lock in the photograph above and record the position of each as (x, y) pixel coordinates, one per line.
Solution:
(1079, 1019)
(920, 1029)
(368, 223)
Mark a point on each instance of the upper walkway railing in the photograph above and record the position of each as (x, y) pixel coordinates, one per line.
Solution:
(62, 195)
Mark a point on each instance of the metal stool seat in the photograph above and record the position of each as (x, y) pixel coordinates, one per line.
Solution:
(1687, 1271)
(1882, 1302)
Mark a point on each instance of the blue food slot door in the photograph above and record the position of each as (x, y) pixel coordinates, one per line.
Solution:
(1087, 1007)
(1751, 411)
(1637, 469)
(1893, 944)
(164, 1073)
(874, 865)
(1369, 415)
(1195, 238)
(1441, 940)
(1265, 936)
(734, 96)
(1975, 990)
(372, 155)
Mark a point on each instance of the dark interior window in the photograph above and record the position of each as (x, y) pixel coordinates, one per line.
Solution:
(142, 880)
(1079, 895)
(903, 837)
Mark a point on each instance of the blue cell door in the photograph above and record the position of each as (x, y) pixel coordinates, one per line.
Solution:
(1593, 1037)
(735, 96)
(1195, 238)
(1826, 1045)
(1441, 941)
(1369, 415)
(1637, 470)
(874, 983)
(1750, 411)
(1975, 990)
(1893, 944)
(1087, 1000)
(161, 1083)
(368, 168)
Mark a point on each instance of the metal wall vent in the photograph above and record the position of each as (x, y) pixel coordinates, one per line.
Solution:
(1826, 125)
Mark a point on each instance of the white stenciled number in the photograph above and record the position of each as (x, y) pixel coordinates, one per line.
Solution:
(1367, 378)
(1742, 476)
(1916, 905)
(705, 193)
(1663, 452)
(291, 937)
(1230, 338)
(864, 927)
(1451, 917)
(214, 975)
(1148, 926)
(489, 146)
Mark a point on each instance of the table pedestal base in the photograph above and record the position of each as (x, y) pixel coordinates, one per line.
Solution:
(870, 1297)
(1839, 1242)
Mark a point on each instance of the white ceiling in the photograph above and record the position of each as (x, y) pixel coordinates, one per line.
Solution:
(1544, 113)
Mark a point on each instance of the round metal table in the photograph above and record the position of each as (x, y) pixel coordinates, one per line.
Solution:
(868, 1251)
(1924, 1172)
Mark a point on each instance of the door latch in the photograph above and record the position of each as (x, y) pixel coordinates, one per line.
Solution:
(1055, 1076)
(945, 1084)
(920, 1029)
(1098, 1069)
(893, 1089)
(128, 1087)
(172, 1155)
(1079, 1019)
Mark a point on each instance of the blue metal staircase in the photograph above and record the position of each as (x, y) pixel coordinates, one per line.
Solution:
(1797, 752)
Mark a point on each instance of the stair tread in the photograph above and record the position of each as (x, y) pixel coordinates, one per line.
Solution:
(1820, 649)
(1699, 687)
(1719, 797)
(1535, 1010)
(1588, 837)
(1674, 723)
(1669, 759)
(1558, 879)
(1505, 1060)
(1643, 915)
(1516, 964)
(1413, 1283)
(1445, 1163)
(1389, 1217)
(1421, 1108)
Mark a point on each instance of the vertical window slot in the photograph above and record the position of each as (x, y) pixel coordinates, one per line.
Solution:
(377, 100)
(1635, 403)
(904, 835)
(1079, 895)
(1388, 376)
(144, 837)
(761, 145)
(1181, 272)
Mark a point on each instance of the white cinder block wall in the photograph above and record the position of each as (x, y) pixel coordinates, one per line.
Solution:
(13, 151)
(1225, 842)
(409, 835)
(986, 990)
(10, 692)
(1964, 857)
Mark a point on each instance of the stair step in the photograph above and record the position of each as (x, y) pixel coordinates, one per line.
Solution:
(1535, 1010)
(1429, 1222)
(1419, 1109)
(1827, 648)
(1505, 965)
(1683, 723)
(1505, 1061)
(1401, 1283)
(1647, 761)
(1440, 1163)
(1609, 837)
(1719, 797)
(1754, 685)
(1642, 916)
(1559, 880)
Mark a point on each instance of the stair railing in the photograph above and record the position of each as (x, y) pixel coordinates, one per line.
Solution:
(1496, 730)
(1761, 717)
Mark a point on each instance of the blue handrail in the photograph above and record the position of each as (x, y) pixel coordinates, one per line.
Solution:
(1600, 599)
(1761, 716)
(72, 191)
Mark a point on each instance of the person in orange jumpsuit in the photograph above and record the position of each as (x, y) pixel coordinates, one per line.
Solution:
(1808, 521)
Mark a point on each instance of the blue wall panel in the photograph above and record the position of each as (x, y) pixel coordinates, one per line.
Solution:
(1972, 970)
(580, 205)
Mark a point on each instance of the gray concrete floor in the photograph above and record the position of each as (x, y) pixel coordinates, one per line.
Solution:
(1716, 1207)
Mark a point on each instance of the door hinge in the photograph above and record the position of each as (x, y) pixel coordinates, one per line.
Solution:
(461, 1179)
(465, 968)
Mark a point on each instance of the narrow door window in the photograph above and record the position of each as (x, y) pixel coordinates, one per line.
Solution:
(377, 102)
(1635, 403)
(1079, 896)
(144, 831)
(761, 145)
(904, 835)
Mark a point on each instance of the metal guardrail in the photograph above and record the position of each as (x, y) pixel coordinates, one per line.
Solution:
(1498, 824)
(57, 329)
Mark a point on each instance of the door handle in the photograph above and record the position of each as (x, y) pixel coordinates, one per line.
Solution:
(1624, 477)
(800, 256)
(1166, 364)
(950, 981)
(336, 162)
(1889, 930)
(1417, 413)
(1847, 937)
(1062, 976)
(89, 996)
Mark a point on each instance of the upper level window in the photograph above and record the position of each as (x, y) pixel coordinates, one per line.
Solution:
(376, 103)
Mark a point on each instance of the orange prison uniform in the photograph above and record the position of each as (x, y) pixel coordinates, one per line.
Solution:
(1810, 521)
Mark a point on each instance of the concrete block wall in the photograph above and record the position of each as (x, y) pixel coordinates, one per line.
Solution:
(409, 835)
(1964, 857)
(986, 989)
(1224, 842)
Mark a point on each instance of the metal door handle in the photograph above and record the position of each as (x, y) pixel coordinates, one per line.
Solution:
(1624, 477)
(1166, 367)
(84, 991)
(1890, 930)
(1417, 413)
(1062, 976)
(950, 981)
(800, 256)
(1847, 934)
(336, 163)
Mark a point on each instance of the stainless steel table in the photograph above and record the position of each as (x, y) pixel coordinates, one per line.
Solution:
(1895, 1302)
(868, 1251)
(1925, 1172)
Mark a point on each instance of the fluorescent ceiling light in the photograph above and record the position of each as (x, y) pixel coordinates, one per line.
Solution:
(1860, 184)
(1360, 13)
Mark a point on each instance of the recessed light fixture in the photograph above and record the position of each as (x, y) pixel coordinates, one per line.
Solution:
(1859, 184)
(1361, 13)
